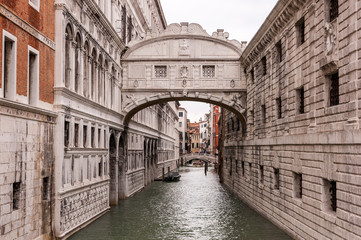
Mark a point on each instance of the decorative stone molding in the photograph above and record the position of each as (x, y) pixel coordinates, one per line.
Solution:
(330, 38)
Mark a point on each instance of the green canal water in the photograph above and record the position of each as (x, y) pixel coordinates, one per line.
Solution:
(197, 207)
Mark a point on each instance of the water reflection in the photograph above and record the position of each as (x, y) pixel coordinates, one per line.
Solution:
(197, 207)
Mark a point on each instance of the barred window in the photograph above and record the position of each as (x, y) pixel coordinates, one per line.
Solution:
(301, 100)
(160, 71)
(279, 51)
(333, 11)
(279, 107)
(334, 89)
(264, 65)
(276, 177)
(209, 71)
(297, 185)
(300, 30)
(252, 75)
(263, 107)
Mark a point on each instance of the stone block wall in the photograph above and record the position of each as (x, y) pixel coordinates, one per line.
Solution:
(26, 173)
(298, 163)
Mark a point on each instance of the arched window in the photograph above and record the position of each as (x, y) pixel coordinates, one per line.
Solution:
(112, 82)
(86, 70)
(77, 62)
(100, 77)
(232, 124)
(68, 40)
(93, 72)
(105, 78)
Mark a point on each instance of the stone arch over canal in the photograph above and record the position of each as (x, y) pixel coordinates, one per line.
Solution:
(184, 62)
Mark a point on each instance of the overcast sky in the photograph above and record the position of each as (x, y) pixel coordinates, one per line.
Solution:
(240, 18)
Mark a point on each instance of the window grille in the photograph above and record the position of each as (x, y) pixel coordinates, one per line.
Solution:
(242, 165)
(279, 107)
(264, 66)
(334, 89)
(160, 71)
(209, 71)
(301, 93)
(261, 174)
(333, 196)
(333, 10)
(252, 75)
(297, 185)
(279, 51)
(85, 134)
(264, 113)
(16, 195)
(66, 133)
(76, 135)
(276, 173)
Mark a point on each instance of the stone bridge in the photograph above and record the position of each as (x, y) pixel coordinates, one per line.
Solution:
(184, 63)
(210, 158)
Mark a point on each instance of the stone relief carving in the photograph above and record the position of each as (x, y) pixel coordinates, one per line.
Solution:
(232, 83)
(330, 38)
(184, 72)
(240, 100)
(78, 208)
(184, 47)
(129, 99)
(136, 83)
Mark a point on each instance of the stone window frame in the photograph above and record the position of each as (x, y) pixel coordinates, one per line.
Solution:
(261, 174)
(9, 86)
(279, 107)
(158, 71)
(264, 65)
(33, 83)
(331, 10)
(297, 185)
(207, 74)
(35, 4)
(329, 196)
(279, 51)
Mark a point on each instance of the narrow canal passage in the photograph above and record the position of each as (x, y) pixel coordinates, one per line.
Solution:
(197, 207)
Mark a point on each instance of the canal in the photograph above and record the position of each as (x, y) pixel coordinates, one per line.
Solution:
(197, 207)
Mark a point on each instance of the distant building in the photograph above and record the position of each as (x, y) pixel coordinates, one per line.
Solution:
(194, 136)
(214, 119)
(182, 128)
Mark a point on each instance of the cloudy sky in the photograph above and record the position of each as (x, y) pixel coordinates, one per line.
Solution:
(240, 18)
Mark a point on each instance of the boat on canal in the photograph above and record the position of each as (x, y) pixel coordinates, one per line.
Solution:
(172, 177)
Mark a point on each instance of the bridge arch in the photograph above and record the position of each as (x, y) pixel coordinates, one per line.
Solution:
(184, 63)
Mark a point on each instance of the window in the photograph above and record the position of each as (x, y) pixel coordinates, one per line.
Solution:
(9, 66)
(334, 89)
(76, 135)
(33, 76)
(100, 168)
(16, 195)
(105, 139)
(92, 136)
(330, 197)
(180, 124)
(35, 4)
(236, 165)
(264, 66)
(252, 75)
(238, 125)
(66, 133)
(85, 134)
(99, 133)
(300, 98)
(160, 71)
(279, 107)
(130, 28)
(261, 174)
(124, 23)
(209, 71)
(297, 185)
(332, 9)
(250, 170)
(242, 168)
(263, 113)
(45, 188)
(197, 145)
(279, 51)
(180, 114)
(300, 31)
(276, 178)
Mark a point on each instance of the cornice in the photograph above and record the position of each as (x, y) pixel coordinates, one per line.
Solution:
(276, 21)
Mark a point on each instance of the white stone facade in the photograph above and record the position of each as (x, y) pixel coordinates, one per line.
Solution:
(297, 164)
